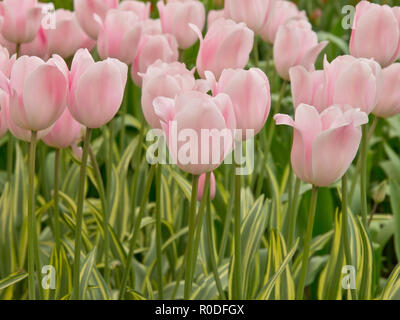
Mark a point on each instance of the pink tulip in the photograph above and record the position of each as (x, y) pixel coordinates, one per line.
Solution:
(185, 121)
(201, 186)
(22, 20)
(324, 144)
(250, 94)
(151, 26)
(164, 80)
(96, 89)
(389, 102)
(214, 15)
(280, 12)
(347, 80)
(119, 36)
(296, 44)
(376, 33)
(39, 47)
(38, 92)
(176, 17)
(67, 24)
(253, 13)
(139, 8)
(86, 10)
(6, 62)
(65, 132)
(227, 44)
(3, 121)
(10, 46)
(152, 48)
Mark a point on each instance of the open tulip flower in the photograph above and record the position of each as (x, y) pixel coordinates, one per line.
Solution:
(324, 144)
(376, 33)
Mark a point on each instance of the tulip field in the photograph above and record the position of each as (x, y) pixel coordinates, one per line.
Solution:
(199, 150)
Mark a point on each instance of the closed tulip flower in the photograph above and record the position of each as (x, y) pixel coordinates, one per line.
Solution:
(38, 92)
(6, 62)
(119, 36)
(296, 44)
(151, 26)
(189, 114)
(201, 186)
(324, 144)
(280, 12)
(250, 93)
(214, 15)
(139, 8)
(86, 10)
(227, 44)
(176, 17)
(252, 12)
(39, 47)
(152, 48)
(66, 23)
(65, 132)
(96, 89)
(22, 20)
(376, 33)
(164, 80)
(389, 102)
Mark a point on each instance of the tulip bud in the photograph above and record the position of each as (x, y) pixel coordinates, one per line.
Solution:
(296, 44)
(379, 193)
(96, 89)
(232, 50)
(389, 101)
(214, 15)
(139, 8)
(250, 94)
(176, 17)
(324, 144)
(202, 185)
(6, 62)
(376, 33)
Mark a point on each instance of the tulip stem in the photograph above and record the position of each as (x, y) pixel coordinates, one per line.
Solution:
(79, 216)
(31, 218)
(238, 242)
(57, 236)
(135, 233)
(363, 180)
(255, 51)
(345, 229)
(158, 232)
(307, 243)
(191, 236)
(10, 153)
(293, 213)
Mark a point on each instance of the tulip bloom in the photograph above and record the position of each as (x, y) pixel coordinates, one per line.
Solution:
(253, 13)
(65, 132)
(227, 44)
(176, 17)
(152, 48)
(6, 62)
(3, 120)
(96, 89)
(214, 15)
(86, 10)
(22, 20)
(296, 44)
(66, 23)
(139, 8)
(376, 33)
(38, 92)
(164, 80)
(389, 102)
(194, 124)
(250, 93)
(324, 144)
(201, 186)
(280, 12)
(39, 47)
(119, 36)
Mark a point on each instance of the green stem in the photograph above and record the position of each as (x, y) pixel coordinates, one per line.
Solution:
(363, 180)
(192, 229)
(57, 236)
(237, 239)
(158, 233)
(135, 233)
(79, 216)
(345, 230)
(181, 57)
(307, 243)
(255, 51)
(10, 153)
(137, 164)
(293, 213)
